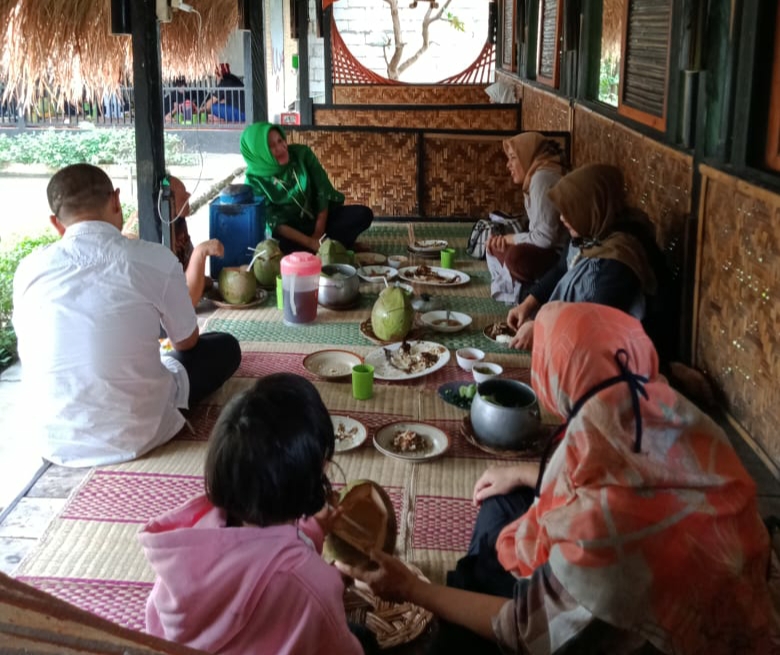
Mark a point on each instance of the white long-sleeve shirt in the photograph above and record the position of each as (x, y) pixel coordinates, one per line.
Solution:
(545, 229)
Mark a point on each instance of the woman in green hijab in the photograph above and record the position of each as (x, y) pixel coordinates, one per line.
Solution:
(301, 203)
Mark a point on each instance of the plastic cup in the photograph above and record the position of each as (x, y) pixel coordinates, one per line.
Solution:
(447, 255)
(363, 381)
(279, 293)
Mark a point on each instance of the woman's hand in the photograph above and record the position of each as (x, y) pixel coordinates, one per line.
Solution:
(524, 337)
(327, 517)
(500, 480)
(391, 579)
(522, 313)
(498, 244)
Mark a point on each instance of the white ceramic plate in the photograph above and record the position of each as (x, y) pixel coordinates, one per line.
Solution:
(216, 298)
(355, 432)
(370, 258)
(377, 273)
(428, 245)
(450, 277)
(444, 321)
(438, 441)
(331, 364)
(505, 338)
(383, 370)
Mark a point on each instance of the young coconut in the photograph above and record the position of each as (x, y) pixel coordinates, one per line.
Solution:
(268, 257)
(237, 285)
(392, 314)
(333, 252)
(368, 521)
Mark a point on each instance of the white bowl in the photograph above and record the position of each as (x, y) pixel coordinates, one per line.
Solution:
(485, 370)
(467, 357)
(443, 321)
(397, 261)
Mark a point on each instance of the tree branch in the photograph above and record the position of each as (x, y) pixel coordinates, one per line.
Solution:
(427, 20)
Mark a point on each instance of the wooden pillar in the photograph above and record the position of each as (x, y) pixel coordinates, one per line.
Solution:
(304, 92)
(327, 20)
(150, 151)
(254, 63)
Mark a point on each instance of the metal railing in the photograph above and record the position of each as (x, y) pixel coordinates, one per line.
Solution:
(183, 106)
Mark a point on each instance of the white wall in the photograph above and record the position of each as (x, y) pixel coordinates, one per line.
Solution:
(365, 24)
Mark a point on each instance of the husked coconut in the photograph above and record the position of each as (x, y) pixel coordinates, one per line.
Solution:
(367, 521)
(237, 285)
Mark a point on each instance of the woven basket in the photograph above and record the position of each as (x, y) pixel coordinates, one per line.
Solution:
(393, 624)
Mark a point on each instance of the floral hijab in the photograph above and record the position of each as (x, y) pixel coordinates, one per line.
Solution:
(645, 514)
(535, 152)
(592, 201)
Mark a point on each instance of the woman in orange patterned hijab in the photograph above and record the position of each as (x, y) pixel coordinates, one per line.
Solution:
(645, 536)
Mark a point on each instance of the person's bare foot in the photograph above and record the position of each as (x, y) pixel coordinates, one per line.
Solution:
(360, 247)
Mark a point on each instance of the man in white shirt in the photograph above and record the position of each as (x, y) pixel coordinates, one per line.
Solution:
(87, 313)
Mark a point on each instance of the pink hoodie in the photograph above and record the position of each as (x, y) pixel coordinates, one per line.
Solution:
(242, 590)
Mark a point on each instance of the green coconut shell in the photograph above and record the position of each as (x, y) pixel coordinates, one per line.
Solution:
(237, 285)
(363, 502)
(268, 262)
(392, 314)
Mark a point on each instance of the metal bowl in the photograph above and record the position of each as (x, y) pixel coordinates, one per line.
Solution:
(339, 285)
(505, 414)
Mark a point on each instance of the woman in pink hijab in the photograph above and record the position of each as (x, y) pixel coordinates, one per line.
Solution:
(644, 536)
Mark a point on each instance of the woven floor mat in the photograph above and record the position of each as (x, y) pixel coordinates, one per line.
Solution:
(90, 554)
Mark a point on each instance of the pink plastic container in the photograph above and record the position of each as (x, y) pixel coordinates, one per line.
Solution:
(300, 285)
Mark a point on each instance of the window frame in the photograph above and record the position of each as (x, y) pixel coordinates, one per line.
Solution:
(553, 81)
(646, 118)
(772, 150)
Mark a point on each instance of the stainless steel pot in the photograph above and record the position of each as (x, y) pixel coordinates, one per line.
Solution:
(505, 414)
(339, 285)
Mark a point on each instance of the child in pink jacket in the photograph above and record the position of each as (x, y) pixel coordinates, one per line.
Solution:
(239, 570)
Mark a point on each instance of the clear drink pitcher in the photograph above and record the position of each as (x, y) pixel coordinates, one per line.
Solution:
(300, 285)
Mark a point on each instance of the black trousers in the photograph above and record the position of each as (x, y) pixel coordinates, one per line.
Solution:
(481, 571)
(345, 224)
(210, 363)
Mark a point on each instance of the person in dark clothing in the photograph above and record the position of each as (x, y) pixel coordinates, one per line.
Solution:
(228, 104)
(611, 259)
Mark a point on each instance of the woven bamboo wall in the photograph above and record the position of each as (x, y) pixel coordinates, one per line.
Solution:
(378, 169)
(404, 94)
(509, 78)
(488, 117)
(737, 326)
(658, 178)
(467, 177)
(545, 111)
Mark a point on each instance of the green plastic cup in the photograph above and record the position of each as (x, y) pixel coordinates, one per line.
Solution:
(279, 296)
(447, 255)
(363, 381)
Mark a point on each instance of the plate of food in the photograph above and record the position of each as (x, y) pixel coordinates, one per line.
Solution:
(427, 245)
(377, 273)
(433, 275)
(331, 364)
(407, 360)
(459, 393)
(214, 296)
(370, 258)
(350, 434)
(411, 441)
(443, 320)
(499, 333)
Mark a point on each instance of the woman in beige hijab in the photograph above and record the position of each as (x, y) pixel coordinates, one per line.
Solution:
(536, 164)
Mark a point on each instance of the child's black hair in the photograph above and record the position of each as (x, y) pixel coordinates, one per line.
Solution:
(267, 453)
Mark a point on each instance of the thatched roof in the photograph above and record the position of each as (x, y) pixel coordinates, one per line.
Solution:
(67, 45)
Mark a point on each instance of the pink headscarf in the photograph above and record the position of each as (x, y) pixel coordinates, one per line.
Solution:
(666, 542)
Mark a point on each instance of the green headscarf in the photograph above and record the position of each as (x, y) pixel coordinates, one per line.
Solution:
(296, 191)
